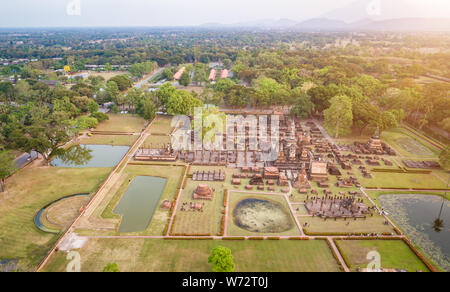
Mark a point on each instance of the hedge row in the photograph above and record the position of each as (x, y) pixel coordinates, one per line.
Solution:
(190, 234)
(335, 255)
(233, 238)
(222, 227)
(225, 198)
(346, 261)
(189, 238)
(420, 256)
(299, 238)
(386, 170)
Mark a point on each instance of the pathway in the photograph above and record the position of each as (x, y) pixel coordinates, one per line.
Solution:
(338, 254)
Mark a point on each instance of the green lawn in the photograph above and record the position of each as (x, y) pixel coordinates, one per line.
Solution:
(395, 254)
(27, 192)
(371, 224)
(123, 123)
(408, 145)
(116, 140)
(156, 141)
(403, 180)
(162, 125)
(156, 255)
(194, 222)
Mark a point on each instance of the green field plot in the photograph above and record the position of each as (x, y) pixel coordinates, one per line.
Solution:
(115, 140)
(395, 254)
(122, 123)
(27, 192)
(207, 221)
(402, 180)
(318, 225)
(162, 125)
(407, 145)
(157, 255)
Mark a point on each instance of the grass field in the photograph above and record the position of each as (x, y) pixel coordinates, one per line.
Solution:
(27, 192)
(206, 222)
(371, 224)
(395, 254)
(156, 255)
(115, 140)
(403, 180)
(162, 125)
(156, 141)
(122, 123)
(160, 217)
(407, 145)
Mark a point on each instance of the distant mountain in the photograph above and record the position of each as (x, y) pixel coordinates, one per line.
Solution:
(402, 24)
(321, 24)
(263, 23)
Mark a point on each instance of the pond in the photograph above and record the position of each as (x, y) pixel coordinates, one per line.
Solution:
(262, 216)
(416, 215)
(139, 203)
(90, 156)
(38, 217)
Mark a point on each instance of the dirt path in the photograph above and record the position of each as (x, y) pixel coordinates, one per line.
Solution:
(338, 254)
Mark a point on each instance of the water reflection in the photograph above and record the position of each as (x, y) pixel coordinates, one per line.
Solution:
(90, 156)
(424, 219)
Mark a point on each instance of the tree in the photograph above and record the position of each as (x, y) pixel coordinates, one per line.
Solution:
(339, 116)
(111, 268)
(146, 109)
(164, 92)
(185, 79)
(221, 259)
(224, 85)
(6, 168)
(444, 158)
(112, 90)
(182, 103)
(303, 107)
(47, 140)
(92, 106)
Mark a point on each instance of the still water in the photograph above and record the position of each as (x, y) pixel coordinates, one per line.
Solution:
(91, 156)
(139, 203)
(416, 215)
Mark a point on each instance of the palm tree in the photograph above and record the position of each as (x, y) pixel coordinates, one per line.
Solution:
(439, 223)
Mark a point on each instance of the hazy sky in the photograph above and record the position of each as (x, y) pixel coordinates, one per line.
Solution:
(39, 13)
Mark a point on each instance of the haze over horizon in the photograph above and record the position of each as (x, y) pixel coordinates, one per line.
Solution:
(95, 13)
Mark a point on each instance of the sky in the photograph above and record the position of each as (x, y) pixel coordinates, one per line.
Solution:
(51, 13)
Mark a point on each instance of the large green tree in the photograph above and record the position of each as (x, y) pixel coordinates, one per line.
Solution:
(6, 167)
(221, 259)
(339, 116)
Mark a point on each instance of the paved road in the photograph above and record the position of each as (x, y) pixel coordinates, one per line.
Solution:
(145, 80)
(25, 158)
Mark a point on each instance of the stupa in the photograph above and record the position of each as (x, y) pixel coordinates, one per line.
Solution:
(203, 192)
(302, 181)
(374, 143)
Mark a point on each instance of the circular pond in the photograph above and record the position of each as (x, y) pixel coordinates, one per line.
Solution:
(257, 215)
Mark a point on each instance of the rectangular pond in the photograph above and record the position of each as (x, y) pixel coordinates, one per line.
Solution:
(426, 221)
(139, 202)
(90, 156)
